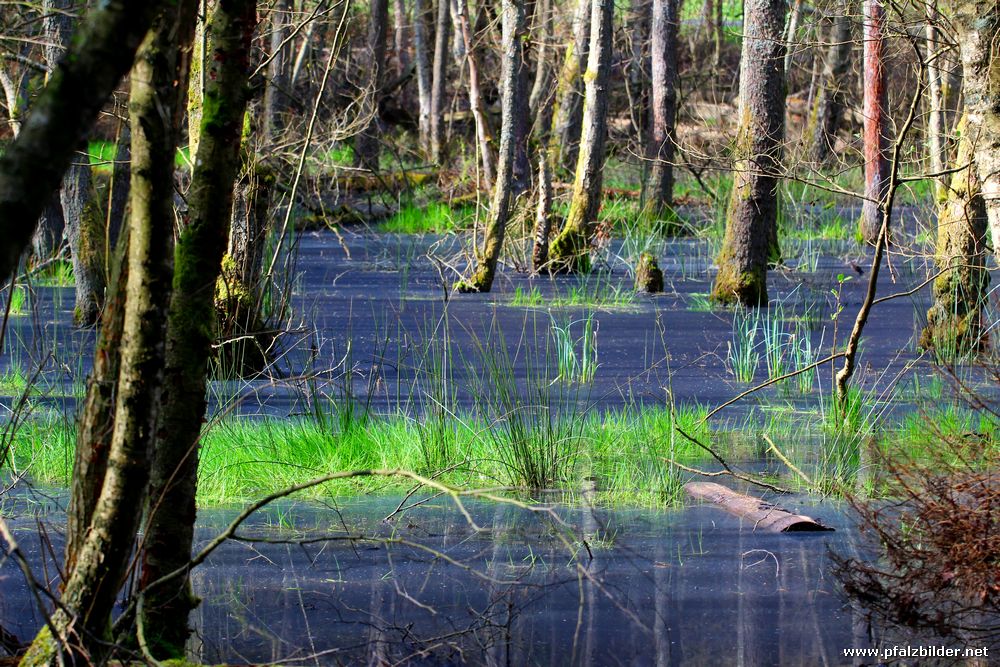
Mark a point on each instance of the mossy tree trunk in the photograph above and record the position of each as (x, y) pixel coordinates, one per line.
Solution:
(954, 321)
(191, 331)
(83, 620)
(568, 117)
(831, 96)
(876, 121)
(570, 249)
(100, 53)
(751, 238)
(84, 224)
(978, 23)
(503, 189)
(663, 117)
(366, 144)
(439, 75)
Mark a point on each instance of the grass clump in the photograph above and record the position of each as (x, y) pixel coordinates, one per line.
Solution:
(435, 218)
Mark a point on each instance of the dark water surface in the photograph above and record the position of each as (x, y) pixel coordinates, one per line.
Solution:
(596, 587)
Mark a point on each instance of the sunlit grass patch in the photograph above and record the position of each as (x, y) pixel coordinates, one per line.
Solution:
(435, 218)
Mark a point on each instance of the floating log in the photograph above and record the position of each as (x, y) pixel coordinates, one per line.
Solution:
(764, 515)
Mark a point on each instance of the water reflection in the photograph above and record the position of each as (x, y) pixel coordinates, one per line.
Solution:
(630, 587)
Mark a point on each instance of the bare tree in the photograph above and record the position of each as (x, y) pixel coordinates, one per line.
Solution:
(662, 134)
(570, 249)
(831, 95)
(484, 133)
(751, 239)
(366, 144)
(566, 123)
(438, 81)
(422, 66)
(503, 189)
(82, 622)
(190, 334)
(876, 115)
(276, 88)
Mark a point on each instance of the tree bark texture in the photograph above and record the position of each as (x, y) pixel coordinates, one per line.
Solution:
(503, 189)
(565, 139)
(954, 321)
(422, 66)
(439, 81)
(663, 119)
(543, 216)
(751, 238)
(191, 331)
(876, 121)
(366, 144)
(978, 23)
(158, 84)
(101, 52)
(570, 249)
(831, 96)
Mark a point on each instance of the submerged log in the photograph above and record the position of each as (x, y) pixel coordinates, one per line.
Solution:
(764, 515)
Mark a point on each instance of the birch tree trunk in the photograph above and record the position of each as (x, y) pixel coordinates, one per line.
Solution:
(662, 132)
(439, 80)
(191, 332)
(503, 189)
(61, 116)
(570, 249)
(876, 121)
(978, 24)
(159, 81)
(954, 321)
(751, 239)
(565, 138)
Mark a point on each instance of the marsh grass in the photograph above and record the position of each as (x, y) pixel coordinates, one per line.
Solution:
(434, 218)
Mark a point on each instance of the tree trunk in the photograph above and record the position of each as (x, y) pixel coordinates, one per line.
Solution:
(366, 144)
(48, 236)
(84, 226)
(543, 216)
(190, 332)
(565, 138)
(876, 115)
(978, 24)
(662, 132)
(638, 68)
(751, 239)
(830, 101)
(118, 196)
(61, 116)
(276, 87)
(943, 83)
(543, 75)
(158, 84)
(503, 190)
(484, 134)
(423, 70)
(522, 120)
(954, 321)
(439, 81)
(96, 422)
(570, 249)
(399, 37)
